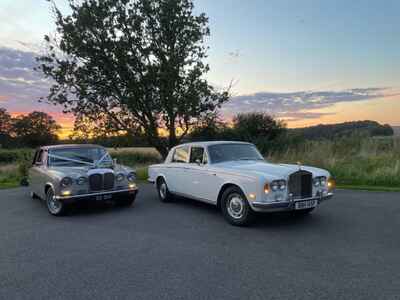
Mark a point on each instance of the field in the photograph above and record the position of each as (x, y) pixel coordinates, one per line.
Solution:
(364, 163)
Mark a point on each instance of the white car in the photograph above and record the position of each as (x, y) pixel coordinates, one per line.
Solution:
(235, 177)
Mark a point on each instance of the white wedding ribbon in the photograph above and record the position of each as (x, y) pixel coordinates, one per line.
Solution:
(94, 164)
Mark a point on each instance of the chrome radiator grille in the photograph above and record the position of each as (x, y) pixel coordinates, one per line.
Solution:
(300, 184)
(98, 182)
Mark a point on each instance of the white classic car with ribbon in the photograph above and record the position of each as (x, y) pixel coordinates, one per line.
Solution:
(235, 177)
(64, 174)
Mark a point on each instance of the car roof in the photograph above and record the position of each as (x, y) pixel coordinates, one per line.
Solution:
(66, 146)
(209, 143)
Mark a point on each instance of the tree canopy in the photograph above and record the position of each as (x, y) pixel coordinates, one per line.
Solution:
(136, 65)
(35, 129)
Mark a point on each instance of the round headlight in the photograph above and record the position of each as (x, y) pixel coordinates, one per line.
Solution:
(317, 181)
(120, 177)
(275, 186)
(66, 181)
(323, 181)
(81, 180)
(282, 185)
(131, 176)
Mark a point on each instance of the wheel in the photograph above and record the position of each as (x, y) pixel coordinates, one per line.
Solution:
(235, 207)
(127, 201)
(54, 206)
(302, 212)
(163, 193)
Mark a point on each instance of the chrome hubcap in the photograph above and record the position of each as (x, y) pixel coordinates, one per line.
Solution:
(53, 204)
(235, 206)
(163, 190)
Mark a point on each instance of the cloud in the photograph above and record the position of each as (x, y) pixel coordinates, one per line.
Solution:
(300, 105)
(20, 86)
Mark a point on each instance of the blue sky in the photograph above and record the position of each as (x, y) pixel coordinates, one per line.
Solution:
(342, 55)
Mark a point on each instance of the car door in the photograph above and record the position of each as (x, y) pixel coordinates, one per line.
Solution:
(176, 169)
(37, 173)
(200, 182)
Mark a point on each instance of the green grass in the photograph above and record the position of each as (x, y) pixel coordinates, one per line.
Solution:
(9, 176)
(363, 162)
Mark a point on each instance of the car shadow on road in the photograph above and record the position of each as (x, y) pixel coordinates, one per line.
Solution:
(270, 220)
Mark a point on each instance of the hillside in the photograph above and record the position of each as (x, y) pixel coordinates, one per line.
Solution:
(330, 131)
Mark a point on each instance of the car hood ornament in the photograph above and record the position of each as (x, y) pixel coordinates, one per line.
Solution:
(299, 165)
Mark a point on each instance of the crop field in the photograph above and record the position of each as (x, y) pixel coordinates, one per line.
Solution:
(366, 163)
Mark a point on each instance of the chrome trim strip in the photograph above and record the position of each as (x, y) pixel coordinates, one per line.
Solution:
(96, 194)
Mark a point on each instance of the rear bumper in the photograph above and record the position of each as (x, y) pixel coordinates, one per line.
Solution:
(95, 196)
(285, 206)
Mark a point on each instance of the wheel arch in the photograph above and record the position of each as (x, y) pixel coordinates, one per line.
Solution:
(224, 187)
(48, 186)
(159, 177)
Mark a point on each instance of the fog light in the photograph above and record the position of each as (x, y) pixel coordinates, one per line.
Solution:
(278, 198)
(65, 193)
(331, 184)
(132, 186)
(252, 196)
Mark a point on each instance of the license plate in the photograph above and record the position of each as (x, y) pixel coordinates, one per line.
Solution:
(306, 204)
(103, 197)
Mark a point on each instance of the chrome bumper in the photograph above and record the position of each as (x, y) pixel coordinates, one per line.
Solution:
(287, 205)
(79, 196)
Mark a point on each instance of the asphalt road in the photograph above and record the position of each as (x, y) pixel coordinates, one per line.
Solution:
(348, 249)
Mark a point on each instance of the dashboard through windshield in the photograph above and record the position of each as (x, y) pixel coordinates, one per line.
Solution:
(232, 152)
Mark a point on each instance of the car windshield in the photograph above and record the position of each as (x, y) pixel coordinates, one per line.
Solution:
(80, 156)
(229, 152)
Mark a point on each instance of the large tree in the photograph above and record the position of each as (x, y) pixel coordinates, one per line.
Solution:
(137, 64)
(257, 125)
(35, 129)
(5, 122)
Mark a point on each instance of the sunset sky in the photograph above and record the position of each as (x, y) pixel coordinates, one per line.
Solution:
(307, 62)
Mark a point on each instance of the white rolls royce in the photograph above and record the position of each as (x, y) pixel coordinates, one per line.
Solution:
(235, 177)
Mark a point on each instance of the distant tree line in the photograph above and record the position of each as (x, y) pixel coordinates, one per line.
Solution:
(31, 130)
(268, 133)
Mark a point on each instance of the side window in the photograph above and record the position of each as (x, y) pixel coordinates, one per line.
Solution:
(196, 154)
(39, 157)
(181, 155)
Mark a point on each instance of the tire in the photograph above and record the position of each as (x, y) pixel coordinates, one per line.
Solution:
(54, 206)
(303, 212)
(126, 202)
(162, 189)
(235, 208)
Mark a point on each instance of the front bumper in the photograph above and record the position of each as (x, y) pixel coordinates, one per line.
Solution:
(94, 196)
(287, 205)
